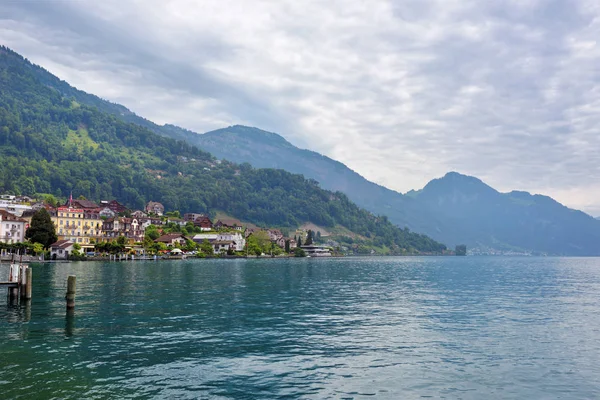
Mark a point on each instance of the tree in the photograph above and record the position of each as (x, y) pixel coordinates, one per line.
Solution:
(298, 252)
(152, 232)
(461, 250)
(206, 247)
(287, 246)
(309, 238)
(38, 248)
(263, 240)
(51, 200)
(41, 229)
(299, 241)
(318, 236)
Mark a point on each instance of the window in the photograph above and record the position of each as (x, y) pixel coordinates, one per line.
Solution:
(61, 222)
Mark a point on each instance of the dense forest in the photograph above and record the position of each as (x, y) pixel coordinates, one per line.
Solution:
(50, 143)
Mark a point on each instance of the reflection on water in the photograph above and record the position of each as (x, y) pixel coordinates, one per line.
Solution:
(340, 328)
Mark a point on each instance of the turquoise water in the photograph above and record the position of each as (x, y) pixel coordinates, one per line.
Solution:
(398, 328)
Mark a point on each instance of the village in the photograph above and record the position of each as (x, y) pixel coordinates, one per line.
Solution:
(88, 230)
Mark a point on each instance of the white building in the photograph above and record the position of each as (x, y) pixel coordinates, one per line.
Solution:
(236, 237)
(316, 251)
(107, 212)
(200, 237)
(13, 208)
(61, 249)
(12, 229)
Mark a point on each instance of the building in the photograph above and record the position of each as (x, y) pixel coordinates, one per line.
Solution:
(191, 217)
(12, 228)
(155, 207)
(201, 237)
(84, 204)
(204, 223)
(229, 224)
(114, 206)
(275, 234)
(222, 240)
(131, 228)
(14, 208)
(220, 246)
(236, 240)
(316, 251)
(139, 214)
(61, 249)
(177, 221)
(77, 225)
(172, 239)
(106, 213)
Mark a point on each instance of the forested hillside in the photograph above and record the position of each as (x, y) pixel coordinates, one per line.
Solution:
(51, 143)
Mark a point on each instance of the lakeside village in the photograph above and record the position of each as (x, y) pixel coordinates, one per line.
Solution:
(86, 230)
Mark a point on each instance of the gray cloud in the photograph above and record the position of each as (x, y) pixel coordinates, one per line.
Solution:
(400, 91)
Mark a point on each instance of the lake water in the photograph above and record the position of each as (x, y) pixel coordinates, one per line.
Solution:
(397, 328)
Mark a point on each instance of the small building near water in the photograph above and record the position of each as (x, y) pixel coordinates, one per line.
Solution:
(316, 251)
(61, 250)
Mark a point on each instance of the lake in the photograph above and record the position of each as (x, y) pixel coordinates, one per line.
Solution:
(441, 327)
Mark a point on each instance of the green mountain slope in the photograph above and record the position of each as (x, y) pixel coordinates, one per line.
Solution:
(268, 150)
(453, 209)
(56, 144)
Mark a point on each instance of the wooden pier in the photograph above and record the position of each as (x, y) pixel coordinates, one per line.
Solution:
(19, 282)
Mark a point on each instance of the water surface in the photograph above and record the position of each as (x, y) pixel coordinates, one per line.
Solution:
(470, 328)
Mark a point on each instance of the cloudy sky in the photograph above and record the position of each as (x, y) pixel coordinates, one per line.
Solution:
(400, 91)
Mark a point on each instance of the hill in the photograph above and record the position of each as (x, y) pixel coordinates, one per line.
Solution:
(269, 150)
(453, 209)
(441, 209)
(472, 212)
(52, 141)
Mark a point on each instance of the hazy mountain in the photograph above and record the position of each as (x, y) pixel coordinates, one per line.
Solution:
(453, 209)
(472, 212)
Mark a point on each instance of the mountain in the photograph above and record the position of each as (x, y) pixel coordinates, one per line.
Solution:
(453, 209)
(269, 150)
(469, 211)
(55, 139)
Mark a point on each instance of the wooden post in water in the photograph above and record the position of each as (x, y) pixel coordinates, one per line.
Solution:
(71, 292)
(22, 280)
(28, 280)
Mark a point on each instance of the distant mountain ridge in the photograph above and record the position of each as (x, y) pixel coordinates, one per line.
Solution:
(453, 209)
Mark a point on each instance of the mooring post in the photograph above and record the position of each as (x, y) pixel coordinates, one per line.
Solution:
(22, 280)
(28, 283)
(71, 292)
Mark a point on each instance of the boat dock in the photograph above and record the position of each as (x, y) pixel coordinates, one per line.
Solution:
(19, 283)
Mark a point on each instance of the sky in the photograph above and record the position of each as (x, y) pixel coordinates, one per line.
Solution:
(400, 91)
